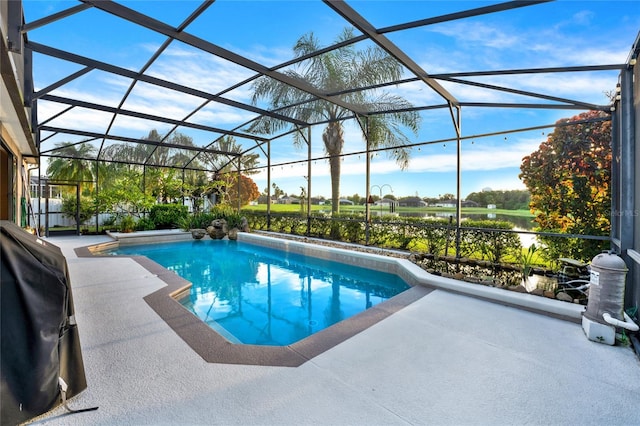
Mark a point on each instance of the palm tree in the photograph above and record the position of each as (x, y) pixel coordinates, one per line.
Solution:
(226, 163)
(331, 73)
(224, 167)
(74, 163)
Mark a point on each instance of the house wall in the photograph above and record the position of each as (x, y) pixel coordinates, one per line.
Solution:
(18, 147)
(6, 176)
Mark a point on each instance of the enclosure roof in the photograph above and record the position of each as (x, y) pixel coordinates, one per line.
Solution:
(188, 69)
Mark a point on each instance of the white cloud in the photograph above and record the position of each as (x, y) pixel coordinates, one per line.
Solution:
(478, 157)
(584, 17)
(197, 69)
(218, 115)
(578, 86)
(268, 55)
(478, 33)
(75, 118)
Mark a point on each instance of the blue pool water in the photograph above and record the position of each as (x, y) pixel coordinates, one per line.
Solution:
(257, 295)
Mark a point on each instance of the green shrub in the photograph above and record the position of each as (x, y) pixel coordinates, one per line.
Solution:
(257, 221)
(484, 239)
(221, 211)
(200, 220)
(320, 226)
(166, 216)
(145, 224)
(203, 220)
(234, 220)
(196, 221)
(347, 227)
(580, 249)
(287, 223)
(87, 208)
(127, 224)
(432, 237)
(110, 221)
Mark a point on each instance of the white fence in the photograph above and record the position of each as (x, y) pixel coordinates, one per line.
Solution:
(56, 218)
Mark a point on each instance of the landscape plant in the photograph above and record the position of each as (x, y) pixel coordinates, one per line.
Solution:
(320, 226)
(145, 224)
(124, 195)
(257, 221)
(485, 239)
(229, 163)
(127, 223)
(234, 220)
(166, 216)
(569, 178)
(527, 260)
(73, 166)
(85, 210)
(248, 189)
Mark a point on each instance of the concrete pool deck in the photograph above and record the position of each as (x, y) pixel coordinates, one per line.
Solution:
(446, 358)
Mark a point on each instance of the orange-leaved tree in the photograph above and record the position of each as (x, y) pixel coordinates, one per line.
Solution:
(248, 189)
(569, 178)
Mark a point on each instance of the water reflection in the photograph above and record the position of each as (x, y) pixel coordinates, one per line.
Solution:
(257, 295)
(520, 222)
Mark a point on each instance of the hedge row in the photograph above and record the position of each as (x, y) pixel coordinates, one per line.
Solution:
(481, 239)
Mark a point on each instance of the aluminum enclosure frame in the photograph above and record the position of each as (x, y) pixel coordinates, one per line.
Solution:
(625, 223)
(625, 235)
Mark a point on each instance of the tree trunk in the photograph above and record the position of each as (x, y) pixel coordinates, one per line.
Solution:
(334, 167)
(333, 143)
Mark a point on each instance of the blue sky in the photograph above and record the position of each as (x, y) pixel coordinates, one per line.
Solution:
(561, 33)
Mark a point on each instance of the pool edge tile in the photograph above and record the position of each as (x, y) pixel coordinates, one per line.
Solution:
(214, 348)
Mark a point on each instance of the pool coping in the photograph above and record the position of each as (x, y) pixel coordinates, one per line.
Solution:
(214, 348)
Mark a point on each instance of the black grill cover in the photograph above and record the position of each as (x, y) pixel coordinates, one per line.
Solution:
(39, 337)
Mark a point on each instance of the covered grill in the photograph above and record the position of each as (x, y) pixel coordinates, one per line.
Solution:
(41, 353)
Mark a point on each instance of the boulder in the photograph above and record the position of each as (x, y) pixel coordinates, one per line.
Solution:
(218, 229)
(564, 297)
(244, 225)
(198, 233)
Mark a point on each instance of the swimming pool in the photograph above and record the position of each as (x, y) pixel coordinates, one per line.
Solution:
(252, 294)
(212, 347)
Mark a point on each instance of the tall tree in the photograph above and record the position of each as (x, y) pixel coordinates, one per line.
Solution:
(150, 154)
(569, 178)
(73, 165)
(277, 192)
(511, 200)
(333, 72)
(165, 183)
(248, 189)
(125, 194)
(226, 163)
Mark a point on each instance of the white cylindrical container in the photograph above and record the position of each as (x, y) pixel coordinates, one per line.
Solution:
(606, 290)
